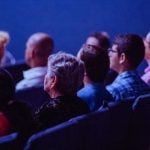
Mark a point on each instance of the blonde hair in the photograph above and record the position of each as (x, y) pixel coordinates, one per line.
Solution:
(4, 37)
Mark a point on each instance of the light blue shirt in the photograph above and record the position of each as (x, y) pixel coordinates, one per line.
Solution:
(32, 78)
(94, 94)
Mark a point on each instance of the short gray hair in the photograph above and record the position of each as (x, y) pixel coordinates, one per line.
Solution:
(69, 71)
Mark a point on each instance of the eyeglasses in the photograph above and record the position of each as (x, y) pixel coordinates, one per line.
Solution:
(111, 50)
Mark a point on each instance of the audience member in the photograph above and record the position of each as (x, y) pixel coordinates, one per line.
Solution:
(38, 47)
(16, 116)
(101, 41)
(98, 40)
(126, 54)
(6, 58)
(96, 62)
(62, 81)
(146, 76)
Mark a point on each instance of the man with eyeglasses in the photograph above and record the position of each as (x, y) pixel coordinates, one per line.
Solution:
(126, 54)
(146, 76)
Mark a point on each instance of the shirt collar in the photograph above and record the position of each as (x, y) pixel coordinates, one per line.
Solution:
(35, 72)
(127, 74)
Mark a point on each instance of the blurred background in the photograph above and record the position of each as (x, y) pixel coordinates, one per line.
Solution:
(70, 21)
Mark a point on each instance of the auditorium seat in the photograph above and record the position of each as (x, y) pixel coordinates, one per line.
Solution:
(16, 70)
(7, 142)
(139, 132)
(34, 96)
(64, 136)
(94, 129)
(120, 114)
(83, 132)
(105, 129)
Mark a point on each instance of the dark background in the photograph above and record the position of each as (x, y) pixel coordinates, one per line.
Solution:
(70, 21)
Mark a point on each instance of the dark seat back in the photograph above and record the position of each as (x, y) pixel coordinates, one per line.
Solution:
(82, 132)
(7, 142)
(139, 132)
(94, 129)
(120, 114)
(56, 138)
(35, 96)
(17, 70)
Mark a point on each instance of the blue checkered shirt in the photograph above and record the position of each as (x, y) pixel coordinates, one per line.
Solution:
(128, 85)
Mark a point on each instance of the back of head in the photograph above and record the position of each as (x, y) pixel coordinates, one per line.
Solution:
(103, 39)
(132, 46)
(69, 71)
(7, 87)
(96, 63)
(42, 45)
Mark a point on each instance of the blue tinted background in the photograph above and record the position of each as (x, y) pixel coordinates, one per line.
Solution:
(70, 21)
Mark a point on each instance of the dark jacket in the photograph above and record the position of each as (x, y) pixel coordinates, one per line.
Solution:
(60, 109)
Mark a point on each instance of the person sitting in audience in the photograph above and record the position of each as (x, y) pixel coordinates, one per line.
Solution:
(15, 116)
(6, 58)
(126, 54)
(38, 47)
(98, 40)
(146, 76)
(63, 79)
(96, 62)
(101, 41)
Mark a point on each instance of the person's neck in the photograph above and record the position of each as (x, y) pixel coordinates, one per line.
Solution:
(55, 94)
(87, 81)
(124, 70)
(33, 65)
(37, 63)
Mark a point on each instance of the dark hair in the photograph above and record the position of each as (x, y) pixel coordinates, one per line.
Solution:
(7, 87)
(96, 63)
(132, 46)
(103, 39)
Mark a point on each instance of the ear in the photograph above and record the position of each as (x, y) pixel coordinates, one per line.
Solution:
(122, 58)
(33, 53)
(53, 81)
(50, 83)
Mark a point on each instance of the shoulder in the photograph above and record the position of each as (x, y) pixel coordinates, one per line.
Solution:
(85, 91)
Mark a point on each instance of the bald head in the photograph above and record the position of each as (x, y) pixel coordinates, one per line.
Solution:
(38, 47)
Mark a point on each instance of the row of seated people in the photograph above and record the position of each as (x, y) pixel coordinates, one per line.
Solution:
(95, 57)
(97, 40)
(65, 73)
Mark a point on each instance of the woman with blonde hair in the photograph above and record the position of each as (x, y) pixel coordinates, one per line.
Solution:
(6, 58)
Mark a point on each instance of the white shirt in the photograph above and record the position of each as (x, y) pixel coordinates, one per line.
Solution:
(32, 77)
